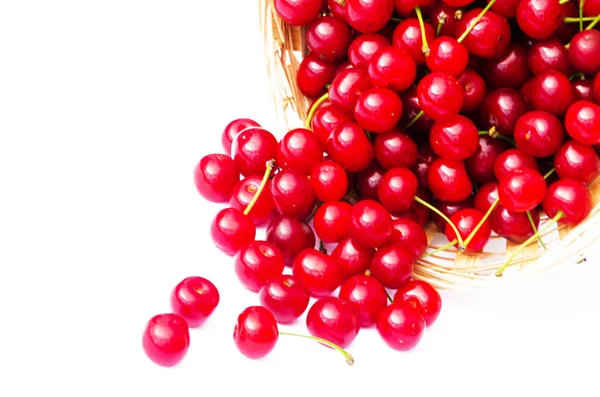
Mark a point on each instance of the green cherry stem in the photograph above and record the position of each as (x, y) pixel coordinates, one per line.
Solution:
(549, 173)
(561, 2)
(348, 356)
(581, 14)
(496, 135)
(263, 183)
(572, 20)
(425, 47)
(485, 217)
(414, 120)
(556, 218)
(441, 22)
(444, 217)
(440, 249)
(313, 109)
(476, 21)
(535, 230)
(575, 75)
(341, 2)
(594, 23)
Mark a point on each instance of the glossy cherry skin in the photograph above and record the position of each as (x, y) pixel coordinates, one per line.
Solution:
(371, 224)
(378, 109)
(166, 339)
(577, 161)
(511, 160)
(298, 12)
(285, 297)
(352, 258)
(490, 37)
(337, 10)
(552, 92)
(582, 122)
(195, 299)
(511, 70)
(549, 54)
(328, 38)
(368, 180)
(215, 177)
(346, 88)
(411, 108)
(571, 197)
(364, 47)
(501, 109)
(583, 51)
(449, 209)
(299, 150)
(233, 129)
(251, 150)
(368, 16)
(349, 146)
(244, 192)
(392, 67)
(513, 226)
(231, 229)
(367, 297)
(474, 89)
(395, 149)
(313, 75)
(255, 332)
(407, 35)
(317, 271)
(465, 221)
(505, 8)
(392, 265)
(521, 190)
(447, 55)
(485, 196)
(591, 8)
(397, 189)
(332, 221)
(334, 320)
(538, 19)
(443, 12)
(423, 297)
(329, 181)
(291, 236)
(292, 193)
(440, 95)
(454, 137)
(401, 326)
(480, 166)
(539, 133)
(584, 90)
(258, 262)
(449, 181)
(325, 120)
(411, 235)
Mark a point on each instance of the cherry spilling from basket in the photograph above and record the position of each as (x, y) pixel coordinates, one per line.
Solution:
(475, 117)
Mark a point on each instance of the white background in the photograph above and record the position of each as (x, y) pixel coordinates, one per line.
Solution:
(105, 108)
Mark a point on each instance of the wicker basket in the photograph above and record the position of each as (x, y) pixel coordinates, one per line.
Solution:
(284, 48)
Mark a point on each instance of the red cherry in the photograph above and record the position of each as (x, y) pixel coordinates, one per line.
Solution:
(566, 31)
(395, 149)
(346, 88)
(364, 47)
(337, 9)
(423, 297)
(332, 221)
(368, 180)
(505, 8)
(255, 333)
(244, 192)
(538, 133)
(513, 226)
(421, 213)
(299, 150)
(521, 190)
(407, 35)
(349, 146)
(485, 196)
(511, 160)
(584, 90)
(194, 299)
(334, 320)
(582, 122)
(474, 88)
(440, 95)
(166, 339)
(231, 229)
(258, 262)
(368, 16)
(329, 181)
(574, 160)
(480, 166)
(291, 236)
(251, 150)
(490, 37)
(326, 118)
(549, 54)
(465, 221)
(233, 129)
(552, 92)
(313, 75)
(411, 235)
(298, 12)
(292, 193)
(328, 38)
(392, 265)
(401, 326)
(449, 209)
(511, 70)
(447, 55)
(352, 258)
(393, 68)
(591, 8)
(449, 181)
(371, 224)
(571, 197)
(454, 137)
(583, 51)
(285, 297)
(378, 109)
(411, 108)
(367, 297)
(538, 19)
(527, 92)
(215, 177)
(397, 189)
(317, 272)
(501, 109)
(449, 15)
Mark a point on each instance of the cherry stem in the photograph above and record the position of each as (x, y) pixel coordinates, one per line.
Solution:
(341, 2)
(556, 218)
(496, 135)
(441, 22)
(561, 2)
(414, 120)
(425, 47)
(444, 217)
(389, 297)
(594, 23)
(535, 230)
(476, 21)
(485, 217)
(575, 75)
(348, 356)
(439, 249)
(313, 109)
(549, 173)
(571, 20)
(394, 19)
(581, 14)
(269, 167)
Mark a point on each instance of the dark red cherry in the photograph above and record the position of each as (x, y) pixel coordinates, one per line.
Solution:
(505, 8)
(371, 224)
(349, 146)
(549, 54)
(474, 90)
(215, 177)
(465, 221)
(368, 16)
(513, 226)
(367, 297)
(251, 150)
(449, 15)
(584, 90)
(485, 196)
(318, 272)
(412, 108)
(352, 258)
(527, 91)
(397, 189)
(521, 190)
(501, 109)
(511, 70)
(291, 236)
(423, 297)
(285, 297)
(552, 92)
(364, 47)
(378, 109)
(539, 133)
(292, 193)
(231, 230)
(368, 180)
(449, 209)
(447, 55)
(166, 339)
(298, 12)
(454, 137)
(255, 332)
(243, 193)
(440, 95)
(324, 121)
(392, 265)
(392, 67)
(574, 160)
(582, 122)
(511, 160)
(424, 159)
(407, 36)
(329, 181)
(421, 213)
(411, 234)
(258, 262)
(314, 73)
(233, 129)
(395, 149)
(328, 37)
(480, 166)
(571, 197)
(538, 19)
(583, 51)
(299, 150)
(490, 37)
(449, 181)
(195, 299)
(346, 88)
(566, 31)
(332, 221)
(401, 326)
(333, 320)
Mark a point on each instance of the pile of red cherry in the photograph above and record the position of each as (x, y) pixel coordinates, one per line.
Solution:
(474, 115)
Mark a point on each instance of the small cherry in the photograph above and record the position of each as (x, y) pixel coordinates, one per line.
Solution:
(332, 221)
(552, 92)
(474, 89)
(368, 16)
(364, 47)
(392, 265)
(349, 146)
(291, 236)
(583, 51)
(292, 193)
(299, 150)
(539, 19)
(337, 8)
(425, 157)
(318, 272)
(489, 38)
(395, 149)
(549, 54)
(539, 133)
(574, 160)
(440, 95)
(514, 226)
(243, 194)
(411, 234)
(401, 326)
(314, 73)
(334, 320)
(371, 224)
(486, 196)
(298, 12)
(480, 166)
(352, 258)
(285, 297)
(422, 296)
(582, 122)
(231, 229)
(443, 18)
(166, 339)
(251, 150)
(368, 180)
(448, 56)
(449, 209)
(521, 190)
(407, 35)
(233, 129)
(195, 299)
(449, 181)
(569, 200)
(328, 38)
(346, 88)
(325, 119)
(215, 177)
(473, 228)
(329, 181)
(378, 109)
(258, 262)
(511, 160)
(392, 67)
(413, 117)
(397, 189)
(501, 109)
(511, 70)
(366, 295)
(454, 137)
(255, 333)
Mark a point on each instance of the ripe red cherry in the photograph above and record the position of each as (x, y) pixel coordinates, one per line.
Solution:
(511, 160)
(395, 149)
(521, 190)
(584, 89)
(591, 8)
(449, 209)
(411, 234)
(364, 47)
(233, 129)
(574, 160)
(299, 150)
(397, 189)
(475, 89)
(538, 19)
(166, 339)
(378, 109)
(423, 297)
(449, 15)
(337, 9)
(231, 229)
(465, 221)
(538, 133)
(454, 137)
(258, 262)
(368, 180)
(485, 196)
(510, 70)
(313, 75)
(417, 212)
(368, 16)
(285, 297)
(317, 271)
(352, 258)
(583, 51)
(566, 31)
(371, 224)
(255, 333)
(251, 150)
(571, 197)
(480, 166)
(215, 176)
(490, 37)
(329, 181)
(334, 320)
(328, 38)
(392, 265)
(292, 193)
(407, 35)
(393, 68)
(401, 326)
(449, 181)
(349, 146)
(513, 226)
(332, 221)
(549, 54)
(552, 92)
(346, 88)
(244, 192)
(501, 109)
(582, 122)
(506, 8)
(194, 298)
(448, 56)
(411, 108)
(298, 12)
(326, 118)
(291, 236)
(440, 95)
(367, 297)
